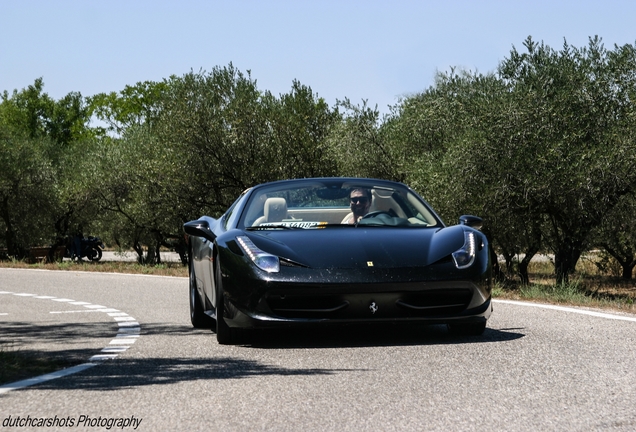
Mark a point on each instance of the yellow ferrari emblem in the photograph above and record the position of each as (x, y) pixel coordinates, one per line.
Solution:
(370, 263)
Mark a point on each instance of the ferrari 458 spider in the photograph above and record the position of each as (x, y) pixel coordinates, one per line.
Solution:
(336, 250)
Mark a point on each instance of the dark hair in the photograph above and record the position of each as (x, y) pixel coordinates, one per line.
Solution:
(365, 191)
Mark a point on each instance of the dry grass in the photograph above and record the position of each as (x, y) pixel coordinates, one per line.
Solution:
(587, 287)
(166, 269)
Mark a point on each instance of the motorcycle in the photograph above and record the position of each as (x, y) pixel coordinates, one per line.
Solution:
(90, 247)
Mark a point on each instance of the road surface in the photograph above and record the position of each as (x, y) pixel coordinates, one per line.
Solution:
(534, 368)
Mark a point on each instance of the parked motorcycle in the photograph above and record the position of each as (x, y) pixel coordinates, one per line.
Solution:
(90, 247)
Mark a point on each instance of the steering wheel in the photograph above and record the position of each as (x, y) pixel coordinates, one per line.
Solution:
(376, 214)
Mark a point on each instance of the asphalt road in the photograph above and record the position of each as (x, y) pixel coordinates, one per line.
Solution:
(533, 369)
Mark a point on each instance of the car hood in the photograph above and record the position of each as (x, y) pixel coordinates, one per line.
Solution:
(361, 247)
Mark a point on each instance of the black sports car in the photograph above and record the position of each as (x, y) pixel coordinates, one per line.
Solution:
(336, 250)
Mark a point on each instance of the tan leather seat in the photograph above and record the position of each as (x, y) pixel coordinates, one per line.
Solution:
(275, 210)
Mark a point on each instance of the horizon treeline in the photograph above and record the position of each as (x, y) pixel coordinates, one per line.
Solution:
(543, 149)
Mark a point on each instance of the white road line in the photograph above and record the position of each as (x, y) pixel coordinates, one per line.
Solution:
(131, 330)
(75, 311)
(127, 334)
(43, 378)
(123, 341)
(102, 357)
(569, 309)
(114, 349)
(128, 324)
(123, 318)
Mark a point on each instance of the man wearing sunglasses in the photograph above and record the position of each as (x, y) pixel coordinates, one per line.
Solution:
(359, 201)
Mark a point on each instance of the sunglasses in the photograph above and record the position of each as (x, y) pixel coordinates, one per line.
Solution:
(361, 200)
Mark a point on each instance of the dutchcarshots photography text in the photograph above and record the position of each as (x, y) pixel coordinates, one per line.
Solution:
(84, 421)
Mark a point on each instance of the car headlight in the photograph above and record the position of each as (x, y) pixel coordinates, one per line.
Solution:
(263, 260)
(465, 256)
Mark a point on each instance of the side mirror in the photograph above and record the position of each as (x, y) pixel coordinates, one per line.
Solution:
(471, 221)
(199, 228)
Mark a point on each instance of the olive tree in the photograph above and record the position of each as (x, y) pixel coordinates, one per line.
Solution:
(40, 137)
(617, 236)
(576, 116)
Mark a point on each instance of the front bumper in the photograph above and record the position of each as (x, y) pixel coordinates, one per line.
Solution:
(434, 303)
(434, 294)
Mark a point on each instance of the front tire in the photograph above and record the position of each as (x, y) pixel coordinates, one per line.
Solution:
(94, 254)
(198, 318)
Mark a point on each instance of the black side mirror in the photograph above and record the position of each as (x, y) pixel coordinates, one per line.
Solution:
(199, 228)
(471, 221)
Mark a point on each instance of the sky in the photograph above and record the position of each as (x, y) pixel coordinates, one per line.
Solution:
(373, 51)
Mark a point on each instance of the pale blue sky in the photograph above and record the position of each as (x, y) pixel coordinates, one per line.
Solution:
(374, 50)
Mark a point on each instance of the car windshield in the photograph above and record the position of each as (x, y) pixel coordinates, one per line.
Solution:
(322, 204)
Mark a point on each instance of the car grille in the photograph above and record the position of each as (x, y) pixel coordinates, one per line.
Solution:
(412, 304)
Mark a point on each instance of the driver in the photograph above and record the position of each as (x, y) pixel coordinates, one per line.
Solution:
(360, 201)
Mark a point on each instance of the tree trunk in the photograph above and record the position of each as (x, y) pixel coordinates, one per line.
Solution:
(140, 252)
(565, 259)
(10, 235)
(524, 263)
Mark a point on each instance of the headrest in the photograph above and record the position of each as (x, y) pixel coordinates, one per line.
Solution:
(275, 209)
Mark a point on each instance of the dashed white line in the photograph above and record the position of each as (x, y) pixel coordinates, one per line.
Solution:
(127, 334)
(132, 324)
(74, 311)
(123, 318)
(114, 349)
(124, 341)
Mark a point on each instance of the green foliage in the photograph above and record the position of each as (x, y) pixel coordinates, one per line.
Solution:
(27, 195)
(135, 105)
(575, 110)
(299, 124)
(229, 136)
(34, 113)
(543, 150)
(569, 292)
(360, 145)
(42, 142)
(617, 236)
